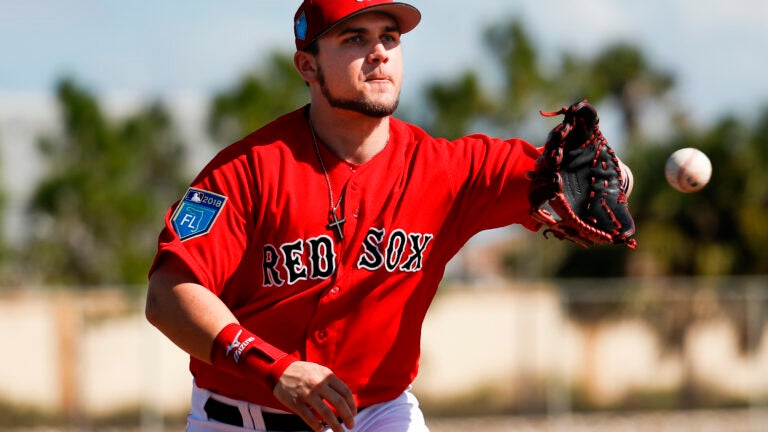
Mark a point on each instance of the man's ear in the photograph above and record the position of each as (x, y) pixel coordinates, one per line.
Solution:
(306, 64)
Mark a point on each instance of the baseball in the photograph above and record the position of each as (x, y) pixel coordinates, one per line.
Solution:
(688, 170)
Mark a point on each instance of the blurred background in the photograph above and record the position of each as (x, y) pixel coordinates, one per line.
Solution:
(108, 110)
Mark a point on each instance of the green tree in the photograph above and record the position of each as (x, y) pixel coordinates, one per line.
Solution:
(621, 72)
(6, 263)
(455, 105)
(716, 231)
(258, 98)
(95, 216)
(524, 86)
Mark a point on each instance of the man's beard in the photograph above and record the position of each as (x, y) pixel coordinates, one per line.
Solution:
(362, 106)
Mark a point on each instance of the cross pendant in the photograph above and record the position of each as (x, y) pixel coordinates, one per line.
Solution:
(338, 224)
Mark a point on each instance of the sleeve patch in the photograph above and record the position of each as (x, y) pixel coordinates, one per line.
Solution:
(197, 213)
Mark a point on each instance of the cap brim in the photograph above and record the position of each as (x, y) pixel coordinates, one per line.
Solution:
(407, 16)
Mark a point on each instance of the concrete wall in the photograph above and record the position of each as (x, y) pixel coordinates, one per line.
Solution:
(94, 354)
(505, 341)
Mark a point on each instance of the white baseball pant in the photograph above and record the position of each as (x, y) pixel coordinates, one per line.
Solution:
(401, 414)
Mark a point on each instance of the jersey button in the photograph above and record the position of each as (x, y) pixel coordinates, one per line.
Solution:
(335, 290)
(321, 335)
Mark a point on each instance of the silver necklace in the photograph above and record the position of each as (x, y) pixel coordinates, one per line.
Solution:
(335, 222)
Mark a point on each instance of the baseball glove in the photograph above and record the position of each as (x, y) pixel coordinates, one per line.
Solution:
(577, 189)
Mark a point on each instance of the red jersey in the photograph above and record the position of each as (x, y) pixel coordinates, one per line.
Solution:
(253, 229)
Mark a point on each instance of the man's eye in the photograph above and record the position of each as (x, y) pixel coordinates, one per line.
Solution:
(392, 38)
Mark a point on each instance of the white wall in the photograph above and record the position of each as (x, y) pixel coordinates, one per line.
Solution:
(96, 354)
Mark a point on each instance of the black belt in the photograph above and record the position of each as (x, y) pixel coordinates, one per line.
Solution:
(230, 414)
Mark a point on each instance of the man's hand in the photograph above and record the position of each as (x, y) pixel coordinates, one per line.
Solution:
(313, 392)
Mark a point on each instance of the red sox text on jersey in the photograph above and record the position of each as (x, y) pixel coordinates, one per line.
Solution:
(315, 258)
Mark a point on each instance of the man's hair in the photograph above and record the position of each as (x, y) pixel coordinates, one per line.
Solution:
(313, 48)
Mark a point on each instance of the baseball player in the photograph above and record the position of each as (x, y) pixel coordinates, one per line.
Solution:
(298, 267)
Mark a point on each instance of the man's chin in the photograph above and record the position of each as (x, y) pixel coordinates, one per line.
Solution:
(367, 108)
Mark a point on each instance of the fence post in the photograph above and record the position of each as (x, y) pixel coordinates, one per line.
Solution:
(559, 403)
(67, 322)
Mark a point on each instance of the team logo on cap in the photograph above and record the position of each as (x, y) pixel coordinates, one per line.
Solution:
(196, 213)
(301, 27)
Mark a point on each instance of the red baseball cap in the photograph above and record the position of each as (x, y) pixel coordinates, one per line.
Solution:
(315, 17)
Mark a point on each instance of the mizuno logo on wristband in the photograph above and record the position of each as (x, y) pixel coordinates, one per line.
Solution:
(241, 346)
(235, 343)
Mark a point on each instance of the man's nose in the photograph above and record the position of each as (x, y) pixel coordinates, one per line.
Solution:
(378, 54)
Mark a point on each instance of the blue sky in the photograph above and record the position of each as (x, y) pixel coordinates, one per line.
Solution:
(715, 48)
